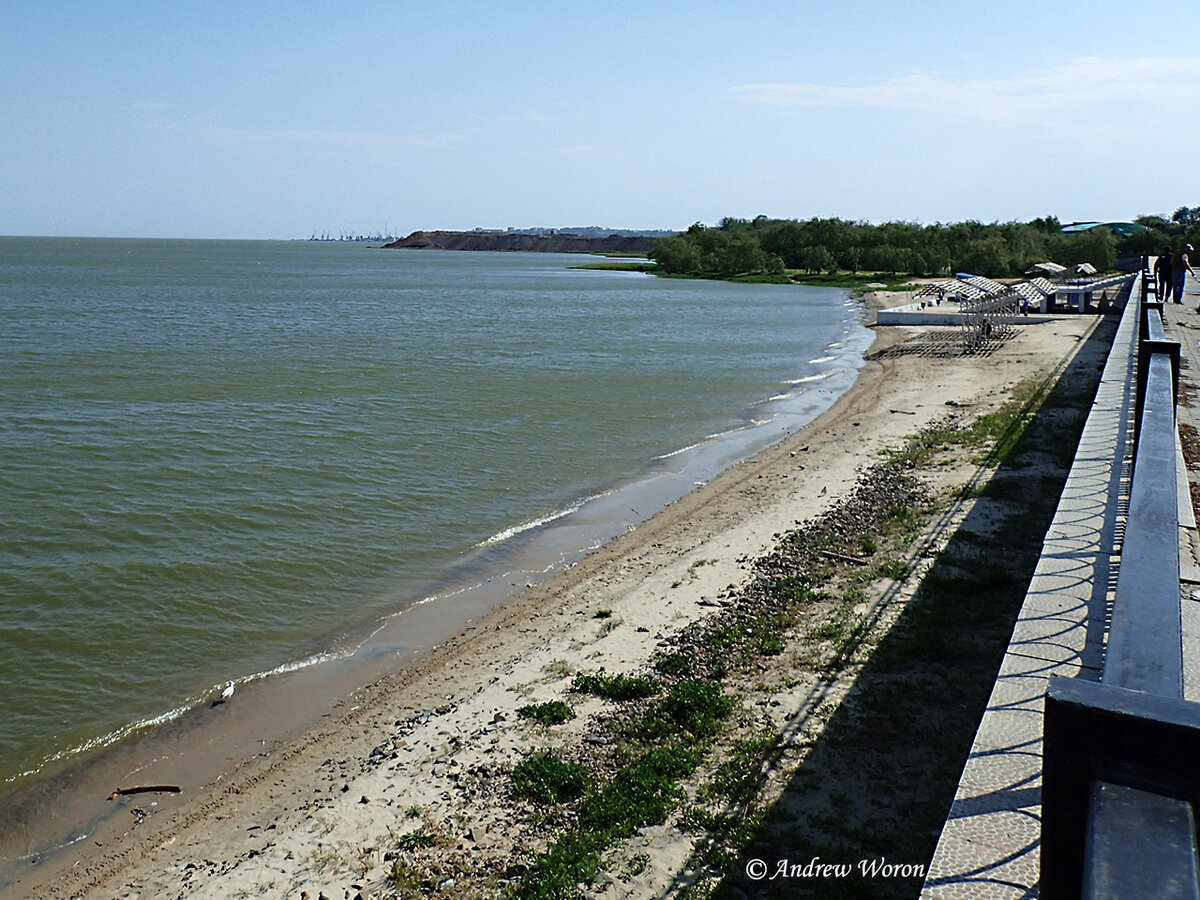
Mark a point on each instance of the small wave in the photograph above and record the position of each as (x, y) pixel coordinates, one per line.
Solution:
(306, 663)
(824, 359)
(513, 531)
(120, 734)
(112, 737)
(673, 453)
(716, 435)
(820, 376)
(40, 853)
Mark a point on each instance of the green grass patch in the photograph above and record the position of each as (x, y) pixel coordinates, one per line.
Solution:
(646, 267)
(895, 569)
(843, 629)
(415, 840)
(903, 519)
(995, 435)
(852, 281)
(544, 777)
(643, 793)
(615, 687)
(676, 665)
(697, 707)
(553, 712)
(794, 590)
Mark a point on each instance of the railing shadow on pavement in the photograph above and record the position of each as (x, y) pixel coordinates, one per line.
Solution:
(858, 796)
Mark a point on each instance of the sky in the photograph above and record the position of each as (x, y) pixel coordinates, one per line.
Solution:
(280, 120)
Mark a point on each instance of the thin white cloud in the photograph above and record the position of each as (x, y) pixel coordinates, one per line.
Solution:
(1086, 85)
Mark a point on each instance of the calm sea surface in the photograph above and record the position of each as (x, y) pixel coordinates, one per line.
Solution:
(216, 457)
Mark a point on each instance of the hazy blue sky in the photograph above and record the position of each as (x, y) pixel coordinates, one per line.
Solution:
(259, 119)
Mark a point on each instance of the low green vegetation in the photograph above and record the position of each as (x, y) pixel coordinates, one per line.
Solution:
(553, 712)
(737, 779)
(696, 707)
(619, 266)
(615, 687)
(679, 665)
(640, 794)
(993, 435)
(414, 840)
(544, 777)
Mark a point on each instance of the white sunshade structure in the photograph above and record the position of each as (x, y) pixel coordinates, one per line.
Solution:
(972, 287)
(1046, 268)
(1026, 290)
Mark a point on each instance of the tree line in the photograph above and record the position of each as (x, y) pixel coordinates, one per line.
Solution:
(771, 247)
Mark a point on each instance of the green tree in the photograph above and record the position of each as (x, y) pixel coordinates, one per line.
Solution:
(817, 259)
(676, 255)
(1186, 216)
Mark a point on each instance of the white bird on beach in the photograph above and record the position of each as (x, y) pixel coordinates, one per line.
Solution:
(228, 692)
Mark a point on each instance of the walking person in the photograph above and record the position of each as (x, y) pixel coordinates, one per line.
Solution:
(1180, 264)
(1162, 275)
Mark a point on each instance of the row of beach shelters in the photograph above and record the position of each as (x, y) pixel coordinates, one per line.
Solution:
(963, 288)
(1051, 287)
(1072, 287)
(974, 291)
(1077, 287)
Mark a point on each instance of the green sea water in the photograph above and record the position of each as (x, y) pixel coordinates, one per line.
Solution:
(218, 457)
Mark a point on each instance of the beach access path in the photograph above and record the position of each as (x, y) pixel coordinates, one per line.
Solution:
(429, 747)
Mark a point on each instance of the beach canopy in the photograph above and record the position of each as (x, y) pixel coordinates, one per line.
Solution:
(1026, 290)
(966, 287)
(1045, 268)
(1085, 269)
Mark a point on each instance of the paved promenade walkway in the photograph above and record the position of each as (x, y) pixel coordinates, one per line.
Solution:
(991, 842)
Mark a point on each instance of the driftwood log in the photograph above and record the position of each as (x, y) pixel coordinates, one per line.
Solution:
(857, 560)
(146, 789)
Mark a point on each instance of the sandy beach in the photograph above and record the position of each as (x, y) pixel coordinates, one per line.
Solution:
(429, 750)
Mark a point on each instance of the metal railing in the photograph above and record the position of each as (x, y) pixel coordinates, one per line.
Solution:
(1121, 757)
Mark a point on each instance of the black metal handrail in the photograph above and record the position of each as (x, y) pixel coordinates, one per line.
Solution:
(1121, 758)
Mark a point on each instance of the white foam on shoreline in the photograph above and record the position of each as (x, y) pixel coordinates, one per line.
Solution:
(117, 735)
(808, 379)
(511, 532)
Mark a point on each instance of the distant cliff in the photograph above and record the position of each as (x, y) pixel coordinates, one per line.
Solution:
(501, 240)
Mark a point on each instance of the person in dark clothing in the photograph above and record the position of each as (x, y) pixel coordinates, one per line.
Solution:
(1162, 275)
